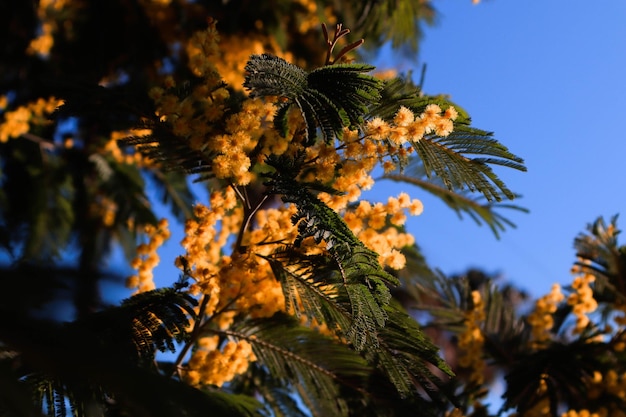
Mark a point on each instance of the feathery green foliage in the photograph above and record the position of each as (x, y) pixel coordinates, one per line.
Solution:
(460, 160)
(299, 356)
(362, 281)
(124, 340)
(461, 201)
(353, 292)
(330, 98)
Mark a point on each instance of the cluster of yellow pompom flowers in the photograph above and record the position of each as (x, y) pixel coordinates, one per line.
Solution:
(471, 341)
(581, 299)
(214, 366)
(242, 283)
(18, 122)
(113, 149)
(147, 258)
(541, 320)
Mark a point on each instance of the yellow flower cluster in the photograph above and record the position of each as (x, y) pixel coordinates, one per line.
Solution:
(248, 287)
(310, 18)
(211, 366)
(18, 122)
(241, 283)
(147, 258)
(105, 209)
(46, 12)
(193, 116)
(238, 285)
(204, 240)
(582, 300)
(471, 341)
(235, 52)
(407, 127)
(121, 156)
(375, 225)
(583, 413)
(541, 320)
(202, 51)
(600, 385)
(243, 131)
(273, 227)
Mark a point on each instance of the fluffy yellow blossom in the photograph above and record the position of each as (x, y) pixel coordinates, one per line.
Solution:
(541, 319)
(49, 12)
(582, 301)
(603, 385)
(147, 258)
(18, 122)
(403, 117)
(471, 341)
(377, 128)
(202, 50)
(211, 366)
(127, 156)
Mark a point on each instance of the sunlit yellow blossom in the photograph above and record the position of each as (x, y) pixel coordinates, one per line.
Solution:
(416, 207)
(541, 319)
(211, 366)
(377, 128)
(582, 301)
(451, 113)
(18, 122)
(471, 340)
(147, 258)
(403, 117)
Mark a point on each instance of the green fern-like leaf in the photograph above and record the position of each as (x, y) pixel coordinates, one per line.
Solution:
(461, 160)
(159, 318)
(603, 257)
(329, 98)
(357, 305)
(172, 152)
(363, 283)
(298, 356)
(447, 157)
(460, 201)
(309, 284)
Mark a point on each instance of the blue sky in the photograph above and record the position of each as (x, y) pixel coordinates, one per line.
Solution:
(548, 78)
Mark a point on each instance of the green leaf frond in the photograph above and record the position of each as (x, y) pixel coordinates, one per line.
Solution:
(461, 201)
(174, 153)
(358, 297)
(142, 324)
(558, 373)
(461, 160)
(159, 318)
(408, 357)
(317, 365)
(505, 332)
(363, 281)
(601, 255)
(329, 98)
(310, 287)
(447, 158)
(37, 224)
